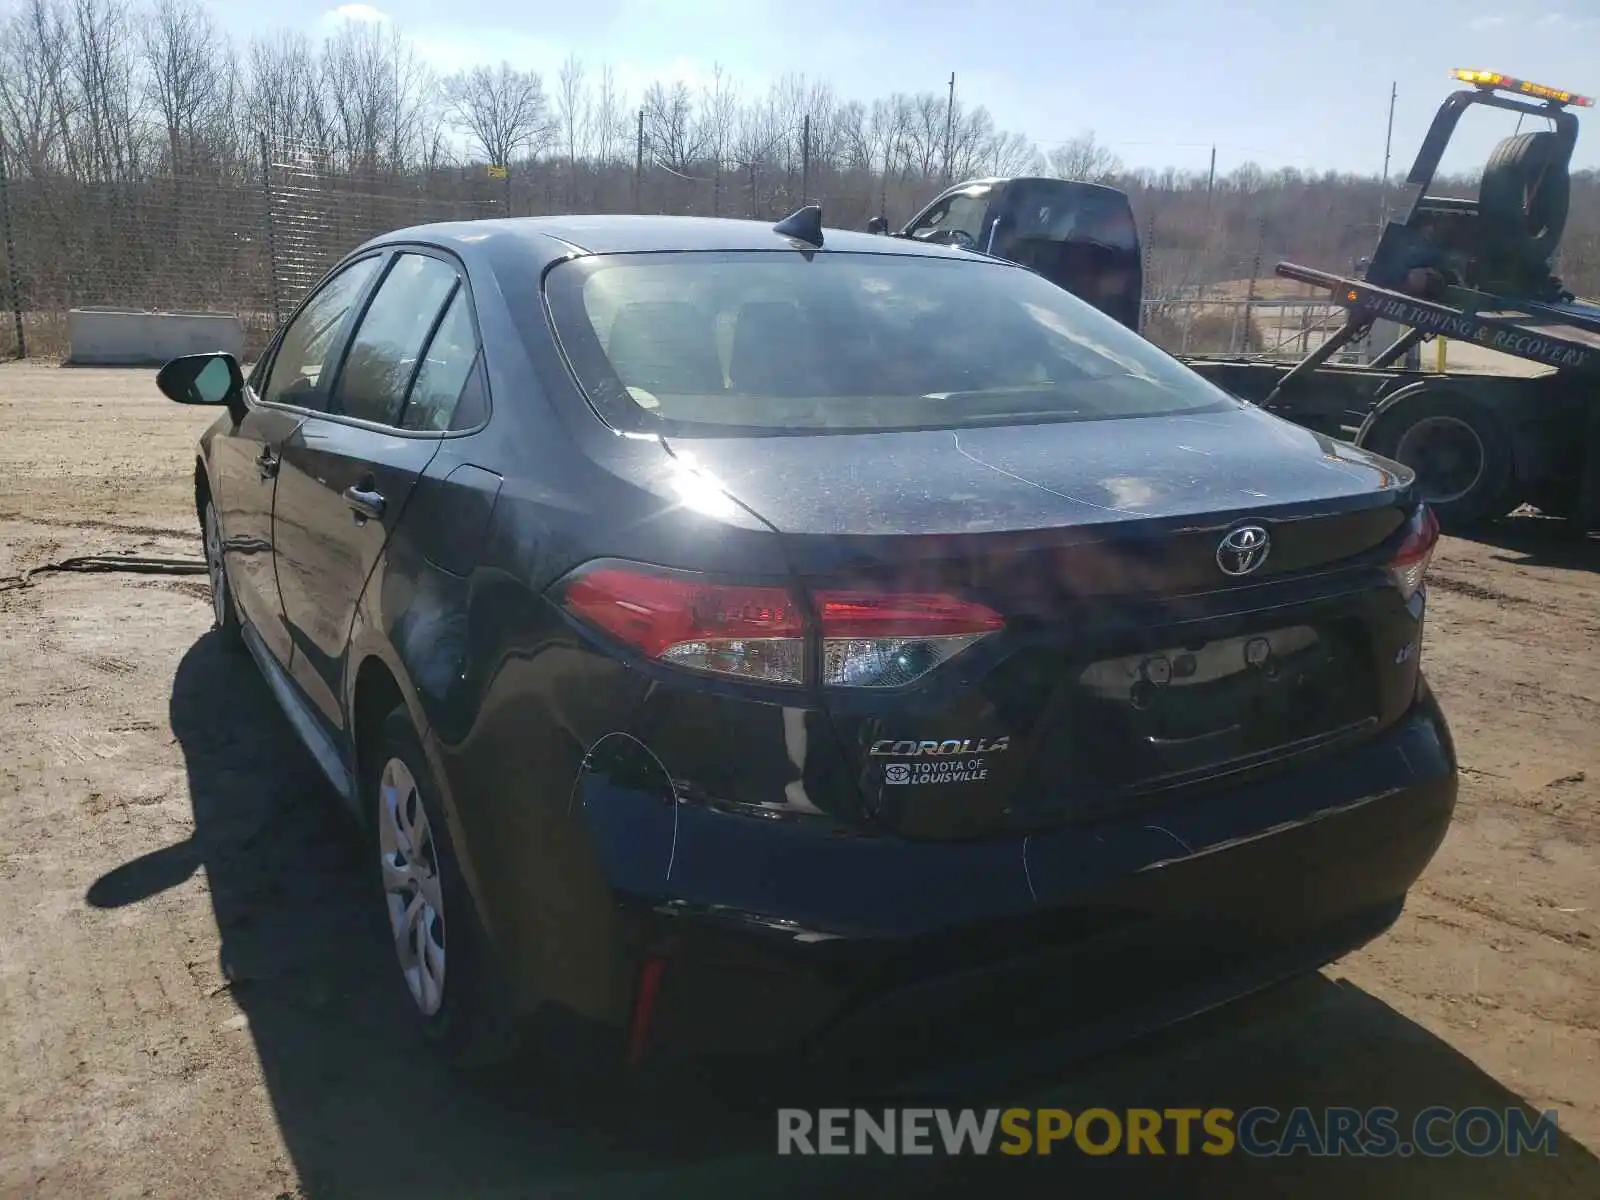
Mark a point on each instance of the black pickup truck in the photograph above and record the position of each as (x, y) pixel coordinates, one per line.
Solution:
(1080, 236)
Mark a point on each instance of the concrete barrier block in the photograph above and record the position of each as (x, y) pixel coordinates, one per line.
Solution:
(118, 337)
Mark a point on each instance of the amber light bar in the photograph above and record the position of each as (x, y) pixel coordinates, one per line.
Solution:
(1506, 83)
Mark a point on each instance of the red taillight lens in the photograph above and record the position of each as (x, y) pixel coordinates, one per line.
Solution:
(888, 639)
(1409, 567)
(752, 632)
(869, 639)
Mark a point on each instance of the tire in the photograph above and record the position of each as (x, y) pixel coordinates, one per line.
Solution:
(459, 998)
(1585, 516)
(224, 610)
(1422, 429)
(1524, 198)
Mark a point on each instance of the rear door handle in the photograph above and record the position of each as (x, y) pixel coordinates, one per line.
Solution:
(364, 503)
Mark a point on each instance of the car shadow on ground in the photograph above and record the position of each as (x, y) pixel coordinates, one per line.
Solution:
(365, 1109)
(1528, 539)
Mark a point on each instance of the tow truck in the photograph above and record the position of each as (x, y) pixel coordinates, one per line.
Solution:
(1472, 270)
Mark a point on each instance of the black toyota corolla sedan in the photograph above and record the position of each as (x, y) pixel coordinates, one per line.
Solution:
(802, 646)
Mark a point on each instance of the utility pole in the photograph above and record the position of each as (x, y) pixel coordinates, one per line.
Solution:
(638, 162)
(805, 161)
(949, 125)
(1211, 180)
(1388, 144)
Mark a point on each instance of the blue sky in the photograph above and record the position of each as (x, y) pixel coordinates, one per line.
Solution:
(1280, 82)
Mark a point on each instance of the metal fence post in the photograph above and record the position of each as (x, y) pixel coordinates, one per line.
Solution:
(1149, 251)
(1250, 296)
(13, 268)
(272, 235)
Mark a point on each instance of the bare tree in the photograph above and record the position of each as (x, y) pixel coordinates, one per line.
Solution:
(924, 139)
(855, 145)
(286, 93)
(886, 135)
(672, 136)
(1084, 158)
(719, 112)
(355, 65)
(756, 138)
(972, 135)
(572, 109)
(101, 62)
(378, 91)
(185, 70)
(1014, 154)
(34, 107)
(502, 109)
(608, 119)
(414, 100)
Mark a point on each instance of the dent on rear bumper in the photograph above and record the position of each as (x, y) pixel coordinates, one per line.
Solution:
(776, 931)
(813, 880)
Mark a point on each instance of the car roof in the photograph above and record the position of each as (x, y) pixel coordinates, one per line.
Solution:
(561, 236)
(996, 180)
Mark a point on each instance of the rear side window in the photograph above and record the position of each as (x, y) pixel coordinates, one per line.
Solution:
(446, 368)
(387, 346)
(297, 375)
(723, 343)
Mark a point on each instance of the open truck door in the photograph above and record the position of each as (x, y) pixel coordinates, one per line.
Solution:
(1080, 236)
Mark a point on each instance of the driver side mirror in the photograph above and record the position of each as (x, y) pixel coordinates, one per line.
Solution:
(878, 225)
(215, 378)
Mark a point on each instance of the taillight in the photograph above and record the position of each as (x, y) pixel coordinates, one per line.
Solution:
(869, 639)
(754, 633)
(872, 639)
(1409, 567)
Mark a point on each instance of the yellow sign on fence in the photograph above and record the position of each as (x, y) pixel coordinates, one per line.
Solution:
(496, 172)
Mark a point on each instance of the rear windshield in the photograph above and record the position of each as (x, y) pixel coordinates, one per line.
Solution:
(782, 342)
(1079, 212)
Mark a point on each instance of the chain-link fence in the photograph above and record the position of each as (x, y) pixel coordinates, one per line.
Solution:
(250, 237)
(316, 208)
(1278, 328)
(192, 243)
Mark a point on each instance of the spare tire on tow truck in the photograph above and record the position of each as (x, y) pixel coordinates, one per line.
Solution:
(1524, 197)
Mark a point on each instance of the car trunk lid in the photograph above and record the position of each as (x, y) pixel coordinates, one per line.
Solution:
(1130, 662)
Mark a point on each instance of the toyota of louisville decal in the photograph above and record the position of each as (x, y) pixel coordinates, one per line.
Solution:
(954, 760)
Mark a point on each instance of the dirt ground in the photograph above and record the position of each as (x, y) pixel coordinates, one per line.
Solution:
(195, 999)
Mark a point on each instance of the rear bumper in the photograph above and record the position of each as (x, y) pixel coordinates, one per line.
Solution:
(1078, 938)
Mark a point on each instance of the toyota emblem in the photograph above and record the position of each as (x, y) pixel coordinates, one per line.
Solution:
(1243, 550)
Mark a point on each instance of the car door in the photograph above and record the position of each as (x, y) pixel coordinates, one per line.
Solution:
(349, 469)
(245, 462)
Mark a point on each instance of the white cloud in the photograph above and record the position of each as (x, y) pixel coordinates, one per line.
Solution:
(634, 78)
(1561, 23)
(364, 13)
(1481, 24)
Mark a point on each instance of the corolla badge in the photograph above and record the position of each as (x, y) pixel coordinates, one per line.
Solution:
(1243, 550)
